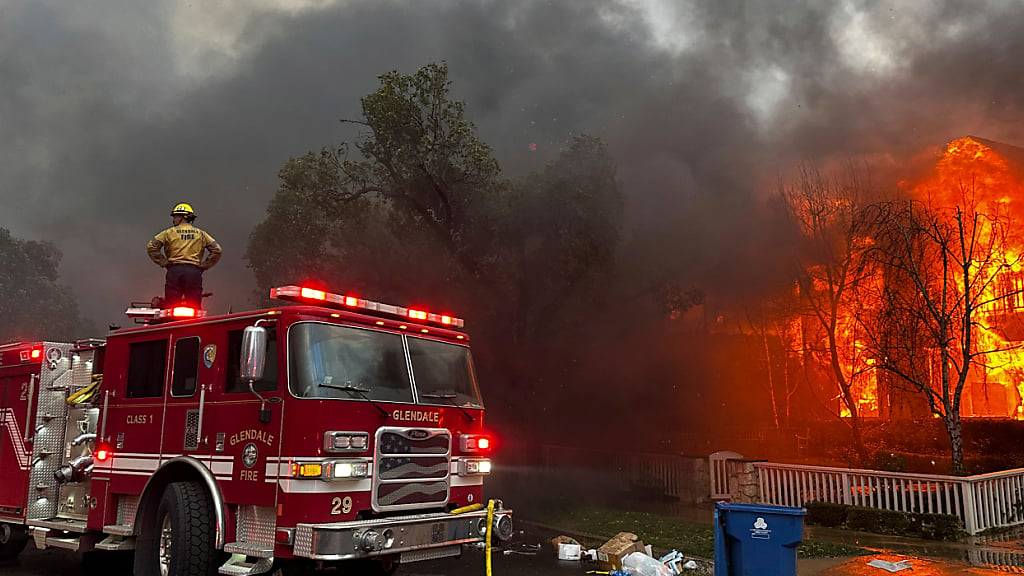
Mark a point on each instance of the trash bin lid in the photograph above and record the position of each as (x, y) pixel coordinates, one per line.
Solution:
(761, 509)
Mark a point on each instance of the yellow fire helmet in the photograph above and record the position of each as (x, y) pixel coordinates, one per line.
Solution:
(183, 209)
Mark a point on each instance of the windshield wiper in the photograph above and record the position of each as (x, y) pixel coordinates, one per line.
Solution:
(361, 392)
(450, 398)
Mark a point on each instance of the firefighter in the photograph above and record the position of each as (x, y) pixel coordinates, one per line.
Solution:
(180, 249)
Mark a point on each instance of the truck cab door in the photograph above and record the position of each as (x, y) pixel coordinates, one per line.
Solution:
(136, 373)
(242, 445)
(185, 401)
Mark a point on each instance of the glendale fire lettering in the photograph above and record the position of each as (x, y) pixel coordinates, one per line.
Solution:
(416, 416)
(248, 435)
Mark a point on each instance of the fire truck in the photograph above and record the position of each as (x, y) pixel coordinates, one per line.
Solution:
(327, 429)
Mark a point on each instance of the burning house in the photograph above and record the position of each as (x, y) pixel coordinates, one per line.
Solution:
(990, 176)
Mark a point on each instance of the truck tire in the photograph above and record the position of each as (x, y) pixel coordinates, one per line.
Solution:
(13, 539)
(181, 540)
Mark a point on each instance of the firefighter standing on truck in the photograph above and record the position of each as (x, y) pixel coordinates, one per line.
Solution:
(180, 249)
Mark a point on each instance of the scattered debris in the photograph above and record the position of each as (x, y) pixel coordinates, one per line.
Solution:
(557, 540)
(640, 564)
(890, 566)
(690, 565)
(520, 552)
(569, 551)
(613, 551)
(523, 550)
(674, 561)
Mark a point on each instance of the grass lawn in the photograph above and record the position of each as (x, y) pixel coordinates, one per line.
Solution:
(666, 532)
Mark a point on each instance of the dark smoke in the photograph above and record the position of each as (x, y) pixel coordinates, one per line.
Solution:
(112, 112)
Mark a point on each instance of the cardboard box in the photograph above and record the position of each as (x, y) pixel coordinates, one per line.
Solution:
(613, 551)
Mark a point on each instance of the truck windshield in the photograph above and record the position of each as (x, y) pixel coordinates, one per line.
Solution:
(327, 361)
(444, 373)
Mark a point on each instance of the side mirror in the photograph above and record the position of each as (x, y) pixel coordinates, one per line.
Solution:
(254, 353)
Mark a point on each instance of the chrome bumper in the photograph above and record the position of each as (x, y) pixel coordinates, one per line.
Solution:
(415, 537)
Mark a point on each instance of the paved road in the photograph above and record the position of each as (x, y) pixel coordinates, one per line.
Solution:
(62, 563)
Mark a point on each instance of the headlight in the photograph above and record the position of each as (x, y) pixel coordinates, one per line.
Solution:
(474, 467)
(342, 469)
(346, 441)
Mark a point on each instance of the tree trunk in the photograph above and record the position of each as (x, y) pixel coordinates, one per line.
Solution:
(847, 391)
(858, 440)
(771, 379)
(954, 429)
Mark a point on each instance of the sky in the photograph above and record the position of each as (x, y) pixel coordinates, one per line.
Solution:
(112, 111)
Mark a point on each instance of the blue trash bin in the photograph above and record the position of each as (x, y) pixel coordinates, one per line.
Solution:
(754, 539)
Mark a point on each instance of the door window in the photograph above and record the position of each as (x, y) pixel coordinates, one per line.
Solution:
(146, 367)
(186, 367)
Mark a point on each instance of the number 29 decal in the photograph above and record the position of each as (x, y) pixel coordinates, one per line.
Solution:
(341, 505)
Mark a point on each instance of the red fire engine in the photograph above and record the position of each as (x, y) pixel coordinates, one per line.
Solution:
(331, 429)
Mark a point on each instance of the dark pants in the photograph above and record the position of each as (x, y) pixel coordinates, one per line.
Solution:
(184, 285)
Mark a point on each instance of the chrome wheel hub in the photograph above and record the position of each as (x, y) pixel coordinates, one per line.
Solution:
(165, 546)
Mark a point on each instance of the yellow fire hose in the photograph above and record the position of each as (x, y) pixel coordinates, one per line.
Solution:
(490, 524)
(85, 394)
(470, 508)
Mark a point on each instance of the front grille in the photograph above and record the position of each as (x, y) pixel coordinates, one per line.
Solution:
(412, 468)
(393, 468)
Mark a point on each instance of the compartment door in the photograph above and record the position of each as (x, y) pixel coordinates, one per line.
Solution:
(15, 455)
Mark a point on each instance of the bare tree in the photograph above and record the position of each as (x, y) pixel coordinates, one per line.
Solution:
(769, 319)
(830, 265)
(942, 266)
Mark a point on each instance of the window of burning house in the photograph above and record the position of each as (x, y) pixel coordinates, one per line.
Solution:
(443, 372)
(328, 361)
(234, 382)
(146, 366)
(186, 367)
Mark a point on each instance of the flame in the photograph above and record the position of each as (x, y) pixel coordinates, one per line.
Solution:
(990, 178)
(970, 168)
(973, 168)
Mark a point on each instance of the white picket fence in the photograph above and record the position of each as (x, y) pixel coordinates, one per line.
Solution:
(981, 502)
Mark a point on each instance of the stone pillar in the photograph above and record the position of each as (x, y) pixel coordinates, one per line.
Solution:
(743, 481)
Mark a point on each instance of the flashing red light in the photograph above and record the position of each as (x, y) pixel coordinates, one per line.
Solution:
(102, 453)
(183, 312)
(477, 443)
(313, 294)
(36, 353)
(334, 300)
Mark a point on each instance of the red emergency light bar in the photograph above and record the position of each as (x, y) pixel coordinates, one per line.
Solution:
(165, 314)
(313, 295)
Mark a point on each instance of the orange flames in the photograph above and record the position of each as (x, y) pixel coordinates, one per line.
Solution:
(988, 174)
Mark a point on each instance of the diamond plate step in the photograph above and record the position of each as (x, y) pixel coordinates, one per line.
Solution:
(116, 543)
(119, 529)
(249, 549)
(238, 565)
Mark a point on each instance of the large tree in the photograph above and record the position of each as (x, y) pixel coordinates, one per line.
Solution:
(33, 304)
(943, 266)
(417, 208)
(831, 266)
